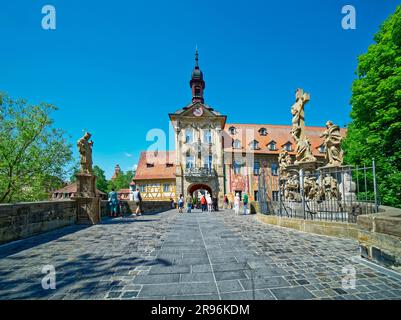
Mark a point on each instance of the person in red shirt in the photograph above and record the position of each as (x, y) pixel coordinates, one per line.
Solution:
(203, 203)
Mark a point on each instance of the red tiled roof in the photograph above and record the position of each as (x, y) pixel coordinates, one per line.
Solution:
(72, 188)
(159, 170)
(280, 134)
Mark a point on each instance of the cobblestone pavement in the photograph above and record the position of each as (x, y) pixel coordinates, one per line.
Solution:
(189, 256)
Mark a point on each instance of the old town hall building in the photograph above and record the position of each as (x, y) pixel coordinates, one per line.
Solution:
(214, 156)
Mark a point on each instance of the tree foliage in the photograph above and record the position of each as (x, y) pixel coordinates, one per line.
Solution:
(101, 181)
(33, 155)
(376, 110)
(122, 181)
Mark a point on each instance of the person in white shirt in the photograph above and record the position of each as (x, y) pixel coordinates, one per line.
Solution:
(236, 203)
(209, 203)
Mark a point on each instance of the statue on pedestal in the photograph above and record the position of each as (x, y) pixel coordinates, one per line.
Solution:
(332, 144)
(304, 151)
(85, 150)
(86, 197)
(284, 160)
(298, 114)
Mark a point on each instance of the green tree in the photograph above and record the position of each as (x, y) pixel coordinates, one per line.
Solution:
(376, 110)
(33, 155)
(122, 181)
(101, 182)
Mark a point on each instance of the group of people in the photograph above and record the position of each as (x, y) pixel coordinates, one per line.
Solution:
(205, 203)
(116, 205)
(209, 204)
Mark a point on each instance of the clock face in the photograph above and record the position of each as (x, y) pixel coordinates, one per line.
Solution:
(198, 111)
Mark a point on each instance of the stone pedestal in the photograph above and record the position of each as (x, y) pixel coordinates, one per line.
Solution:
(343, 174)
(88, 202)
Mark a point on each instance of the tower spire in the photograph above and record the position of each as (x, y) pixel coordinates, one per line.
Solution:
(197, 83)
(196, 57)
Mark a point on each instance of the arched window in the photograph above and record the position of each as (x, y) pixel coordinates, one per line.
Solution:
(263, 131)
(232, 130)
(237, 144)
(197, 91)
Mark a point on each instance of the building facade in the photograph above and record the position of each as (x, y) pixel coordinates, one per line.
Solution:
(213, 156)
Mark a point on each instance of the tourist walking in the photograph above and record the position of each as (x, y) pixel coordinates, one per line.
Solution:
(180, 203)
(189, 203)
(245, 203)
(203, 203)
(225, 202)
(138, 201)
(236, 203)
(113, 203)
(209, 203)
(215, 204)
(172, 204)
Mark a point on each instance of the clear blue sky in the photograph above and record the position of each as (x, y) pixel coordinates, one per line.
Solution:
(117, 68)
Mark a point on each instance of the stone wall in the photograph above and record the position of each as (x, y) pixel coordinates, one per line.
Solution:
(149, 206)
(327, 228)
(23, 220)
(380, 237)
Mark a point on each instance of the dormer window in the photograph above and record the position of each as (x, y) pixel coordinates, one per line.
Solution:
(150, 165)
(232, 130)
(288, 146)
(322, 149)
(237, 144)
(263, 131)
(254, 145)
(272, 146)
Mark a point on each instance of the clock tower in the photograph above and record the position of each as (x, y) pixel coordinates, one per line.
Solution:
(197, 83)
(199, 144)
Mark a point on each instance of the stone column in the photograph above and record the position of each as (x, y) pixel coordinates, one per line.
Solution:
(87, 200)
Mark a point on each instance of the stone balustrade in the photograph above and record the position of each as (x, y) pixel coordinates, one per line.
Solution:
(379, 237)
(22, 220)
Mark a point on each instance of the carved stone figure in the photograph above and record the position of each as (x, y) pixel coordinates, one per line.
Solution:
(332, 144)
(311, 189)
(284, 160)
(304, 151)
(291, 189)
(85, 150)
(330, 188)
(298, 114)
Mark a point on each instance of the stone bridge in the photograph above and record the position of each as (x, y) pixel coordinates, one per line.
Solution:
(190, 256)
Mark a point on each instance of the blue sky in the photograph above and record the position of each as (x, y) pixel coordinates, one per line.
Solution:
(118, 68)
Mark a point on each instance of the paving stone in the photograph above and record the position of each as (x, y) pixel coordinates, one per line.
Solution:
(229, 286)
(230, 275)
(167, 254)
(248, 295)
(197, 277)
(157, 278)
(294, 293)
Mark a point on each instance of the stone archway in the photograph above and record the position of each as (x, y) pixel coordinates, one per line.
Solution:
(199, 186)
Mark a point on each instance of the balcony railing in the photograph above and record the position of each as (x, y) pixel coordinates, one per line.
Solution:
(199, 173)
